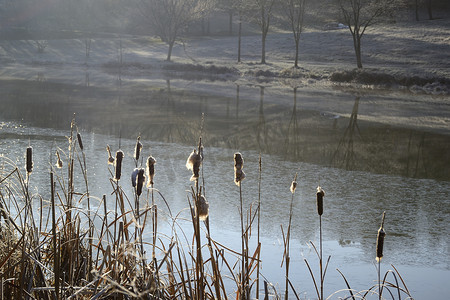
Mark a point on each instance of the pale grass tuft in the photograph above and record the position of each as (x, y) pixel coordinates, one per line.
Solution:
(203, 208)
(193, 164)
(294, 184)
(59, 163)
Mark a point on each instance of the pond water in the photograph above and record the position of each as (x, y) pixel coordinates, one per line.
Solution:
(328, 138)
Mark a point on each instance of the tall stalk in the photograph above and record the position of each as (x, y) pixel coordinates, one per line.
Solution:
(379, 247)
(288, 237)
(259, 225)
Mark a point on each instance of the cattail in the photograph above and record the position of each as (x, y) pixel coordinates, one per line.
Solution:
(140, 181)
(137, 150)
(29, 159)
(118, 162)
(59, 163)
(133, 177)
(151, 161)
(203, 208)
(239, 174)
(380, 239)
(320, 194)
(193, 163)
(80, 142)
(238, 161)
(110, 157)
(294, 184)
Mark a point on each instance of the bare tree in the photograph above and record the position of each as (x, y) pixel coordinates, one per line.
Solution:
(262, 17)
(294, 11)
(239, 6)
(169, 18)
(359, 14)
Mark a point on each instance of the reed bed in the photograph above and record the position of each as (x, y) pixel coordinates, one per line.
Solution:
(86, 251)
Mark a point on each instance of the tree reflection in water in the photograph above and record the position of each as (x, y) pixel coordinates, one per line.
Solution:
(292, 138)
(344, 156)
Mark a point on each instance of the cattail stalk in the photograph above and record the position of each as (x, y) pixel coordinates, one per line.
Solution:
(259, 225)
(151, 161)
(239, 175)
(288, 236)
(379, 248)
(319, 195)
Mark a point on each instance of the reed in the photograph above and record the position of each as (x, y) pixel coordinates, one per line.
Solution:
(319, 284)
(65, 259)
(286, 238)
(379, 249)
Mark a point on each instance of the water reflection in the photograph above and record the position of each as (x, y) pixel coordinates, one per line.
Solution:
(344, 156)
(167, 114)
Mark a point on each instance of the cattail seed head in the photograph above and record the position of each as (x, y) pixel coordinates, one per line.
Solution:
(380, 239)
(238, 161)
(239, 174)
(193, 163)
(137, 150)
(151, 161)
(294, 184)
(80, 142)
(110, 157)
(140, 181)
(59, 163)
(29, 159)
(118, 163)
(134, 176)
(203, 208)
(320, 194)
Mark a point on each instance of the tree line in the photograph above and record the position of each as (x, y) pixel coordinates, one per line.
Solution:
(170, 19)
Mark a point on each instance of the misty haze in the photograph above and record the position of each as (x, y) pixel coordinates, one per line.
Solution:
(224, 149)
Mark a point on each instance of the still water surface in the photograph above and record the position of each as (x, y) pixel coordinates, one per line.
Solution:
(364, 167)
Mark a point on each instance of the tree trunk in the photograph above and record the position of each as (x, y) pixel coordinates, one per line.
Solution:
(263, 48)
(416, 7)
(230, 23)
(169, 53)
(430, 13)
(358, 55)
(296, 52)
(357, 45)
(239, 38)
